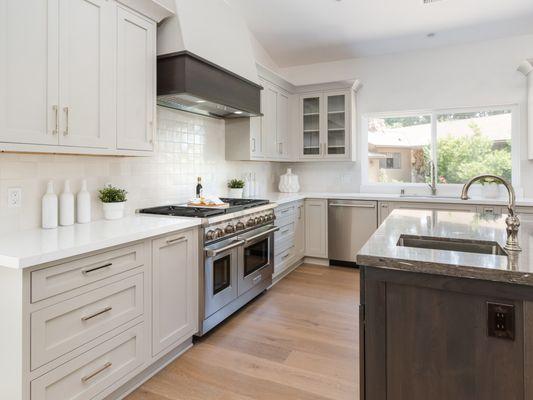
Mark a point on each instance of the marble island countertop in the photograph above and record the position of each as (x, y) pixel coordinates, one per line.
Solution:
(28, 248)
(382, 249)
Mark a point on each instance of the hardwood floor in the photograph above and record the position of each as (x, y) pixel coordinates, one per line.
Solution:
(297, 341)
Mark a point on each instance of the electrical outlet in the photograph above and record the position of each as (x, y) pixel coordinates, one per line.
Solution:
(501, 320)
(14, 197)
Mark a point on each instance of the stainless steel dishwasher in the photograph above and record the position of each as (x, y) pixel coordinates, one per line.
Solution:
(350, 225)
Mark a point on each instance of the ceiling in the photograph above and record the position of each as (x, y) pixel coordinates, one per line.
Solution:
(296, 32)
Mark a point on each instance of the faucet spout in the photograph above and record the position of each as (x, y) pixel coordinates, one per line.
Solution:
(512, 221)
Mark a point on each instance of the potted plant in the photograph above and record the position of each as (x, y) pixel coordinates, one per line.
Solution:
(113, 200)
(490, 188)
(236, 187)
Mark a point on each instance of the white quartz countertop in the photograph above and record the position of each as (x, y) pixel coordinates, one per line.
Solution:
(282, 198)
(28, 248)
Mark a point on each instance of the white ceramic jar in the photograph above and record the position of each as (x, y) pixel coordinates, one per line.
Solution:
(289, 182)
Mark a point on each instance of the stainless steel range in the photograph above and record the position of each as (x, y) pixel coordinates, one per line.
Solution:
(237, 260)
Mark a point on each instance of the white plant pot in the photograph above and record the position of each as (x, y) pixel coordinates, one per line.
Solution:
(491, 191)
(113, 210)
(235, 193)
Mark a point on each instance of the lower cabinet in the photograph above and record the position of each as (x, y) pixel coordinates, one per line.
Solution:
(316, 228)
(386, 207)
(289, 240)
(174, 289)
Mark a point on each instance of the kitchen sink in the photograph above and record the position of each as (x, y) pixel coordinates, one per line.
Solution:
(462, 245)
(428, 196)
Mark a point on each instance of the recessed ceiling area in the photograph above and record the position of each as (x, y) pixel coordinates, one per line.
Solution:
(296, 32)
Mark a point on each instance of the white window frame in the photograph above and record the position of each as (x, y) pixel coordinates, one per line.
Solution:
(374, 187)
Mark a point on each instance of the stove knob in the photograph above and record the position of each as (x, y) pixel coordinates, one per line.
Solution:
(262, 219)
(257, 221)
(210, 235)
(240, 226)
(250, 222)
(229, 229)
(219, 233)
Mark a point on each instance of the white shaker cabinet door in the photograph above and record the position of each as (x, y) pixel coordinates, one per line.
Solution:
(29, 71)
(87, 73)
(316, 228)
(136, 81)
(174, 289)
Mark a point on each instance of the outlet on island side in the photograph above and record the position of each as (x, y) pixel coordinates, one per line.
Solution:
(501, 320)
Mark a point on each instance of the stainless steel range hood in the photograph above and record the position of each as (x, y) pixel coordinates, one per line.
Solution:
(190, 83)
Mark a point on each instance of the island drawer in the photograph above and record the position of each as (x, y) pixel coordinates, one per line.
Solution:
(61, 328)
(61, 278)
(88, 375)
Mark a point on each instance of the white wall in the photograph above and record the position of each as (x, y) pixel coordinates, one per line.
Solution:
(187, 146)
(476, 74)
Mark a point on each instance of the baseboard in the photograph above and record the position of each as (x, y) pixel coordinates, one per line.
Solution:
(149, 371)
(316, 261)
(286, 272)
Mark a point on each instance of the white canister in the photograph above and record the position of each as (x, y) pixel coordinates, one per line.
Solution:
(83, 204)
(289, 182)
(113, 210)
(49, 208)
(66, 206)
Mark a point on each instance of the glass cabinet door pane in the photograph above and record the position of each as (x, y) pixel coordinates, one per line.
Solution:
(311, 126)
(336, 124)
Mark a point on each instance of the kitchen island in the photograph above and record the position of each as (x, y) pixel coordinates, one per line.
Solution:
(446, 313)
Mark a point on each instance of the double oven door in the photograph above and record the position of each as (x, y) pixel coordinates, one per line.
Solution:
(235, 266)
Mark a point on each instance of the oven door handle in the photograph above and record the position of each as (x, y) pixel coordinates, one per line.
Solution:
(214, 252)
(265, 233)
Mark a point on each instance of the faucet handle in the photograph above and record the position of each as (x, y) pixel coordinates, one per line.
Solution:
(513, 225)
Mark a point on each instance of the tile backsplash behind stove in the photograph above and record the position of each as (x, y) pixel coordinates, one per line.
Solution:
(186, 145)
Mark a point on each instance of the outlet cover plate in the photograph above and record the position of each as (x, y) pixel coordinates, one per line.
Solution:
(14, 197)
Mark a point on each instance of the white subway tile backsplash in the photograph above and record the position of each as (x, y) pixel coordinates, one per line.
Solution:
(187, 146)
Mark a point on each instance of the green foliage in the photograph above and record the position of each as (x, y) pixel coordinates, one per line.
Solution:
(236, 184)
(461, 158)
(112, 194)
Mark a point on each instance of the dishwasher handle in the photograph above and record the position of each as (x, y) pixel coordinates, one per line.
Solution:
(353, 205)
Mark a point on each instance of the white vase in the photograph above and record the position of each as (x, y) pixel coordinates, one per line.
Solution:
(235, 193)
(83, 204)
(491, 191)
(289, 182)
(49, 208)
(66, 206)
(113, 210)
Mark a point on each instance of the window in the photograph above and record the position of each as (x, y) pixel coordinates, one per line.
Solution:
(462, 144)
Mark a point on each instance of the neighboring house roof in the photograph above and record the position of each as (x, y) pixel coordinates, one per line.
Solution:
(495, 127)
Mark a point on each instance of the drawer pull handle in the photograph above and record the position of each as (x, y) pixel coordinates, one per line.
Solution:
(96, 314)
(284, 231)
(285, 211)
(87, 378)
(88, 271)
(257, 279)
(180, 239)
(285, 256)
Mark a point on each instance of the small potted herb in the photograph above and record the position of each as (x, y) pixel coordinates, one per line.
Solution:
(490, 188)
(236, 187)
(113, 200)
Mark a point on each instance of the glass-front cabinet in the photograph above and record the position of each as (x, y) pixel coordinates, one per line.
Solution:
(326, 125)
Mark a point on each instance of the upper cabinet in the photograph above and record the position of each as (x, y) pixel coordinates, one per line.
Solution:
(76, 76)
(327, 125)
(262, 138)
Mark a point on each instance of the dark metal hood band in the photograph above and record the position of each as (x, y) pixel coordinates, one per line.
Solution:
(191, 83)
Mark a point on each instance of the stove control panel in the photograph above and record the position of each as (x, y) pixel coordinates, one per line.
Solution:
(235, 225)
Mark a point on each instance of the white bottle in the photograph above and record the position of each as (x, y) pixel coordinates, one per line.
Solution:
(246, 190)
(83, 204)
(49, 208)
(66, 206)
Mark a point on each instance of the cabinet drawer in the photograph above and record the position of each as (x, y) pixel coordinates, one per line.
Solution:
(284, 232)
(60, 328)
(91, 373)
(51, 281)
(282, 245)
(285, 210)
(282, 260)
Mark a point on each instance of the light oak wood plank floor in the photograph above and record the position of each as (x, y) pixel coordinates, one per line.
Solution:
(297, 341)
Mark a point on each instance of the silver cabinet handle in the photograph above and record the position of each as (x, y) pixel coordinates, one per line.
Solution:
(212, 253)
(352, 205)
(56, 112)
(300, 212)
(265, 233)
(280, 147)
(257, 279)
(65, 133)
(180, 239)
(89, 270)
(284, 257)
(96, 314)
(284, 231)
(98, 371)
(253, 145)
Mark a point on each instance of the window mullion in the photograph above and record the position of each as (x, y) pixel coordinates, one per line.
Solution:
(434, 142)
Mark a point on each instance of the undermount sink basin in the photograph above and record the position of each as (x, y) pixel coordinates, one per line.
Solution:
(465, 246)
(428, 196)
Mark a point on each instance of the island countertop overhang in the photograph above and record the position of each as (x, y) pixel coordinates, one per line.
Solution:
(382, 250)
